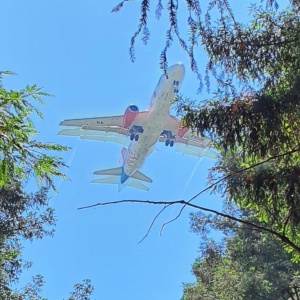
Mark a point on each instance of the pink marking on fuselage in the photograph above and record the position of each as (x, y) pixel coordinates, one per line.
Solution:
(123, 153)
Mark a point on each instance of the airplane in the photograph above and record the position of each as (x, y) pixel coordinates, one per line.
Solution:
(139, 131)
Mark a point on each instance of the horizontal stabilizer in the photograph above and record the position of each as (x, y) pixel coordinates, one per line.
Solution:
(140, 176)
(113, 171)
(137, 185)
(108, 180)
(116, 180)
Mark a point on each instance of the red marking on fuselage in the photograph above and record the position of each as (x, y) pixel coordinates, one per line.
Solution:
(129, 117)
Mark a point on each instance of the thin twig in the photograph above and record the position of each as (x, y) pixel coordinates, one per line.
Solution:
(152, 223)
(170, 221)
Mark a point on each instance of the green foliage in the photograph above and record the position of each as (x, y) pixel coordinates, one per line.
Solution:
(255, 128)
(235, 53)
(82, 291)
(21, 155)
(259, 138)
(247, 264)
(25, 215)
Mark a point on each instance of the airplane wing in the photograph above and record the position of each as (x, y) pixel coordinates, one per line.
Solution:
(187, 142)
(104, 121)
(102, 128)
(97, 135)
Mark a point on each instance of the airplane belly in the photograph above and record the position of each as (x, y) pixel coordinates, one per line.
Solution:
(153, 126)
(135, 159)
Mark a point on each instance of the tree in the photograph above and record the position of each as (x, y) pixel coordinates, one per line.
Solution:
(246, 264)
(23, 156)
(253, 116)
(25, 215)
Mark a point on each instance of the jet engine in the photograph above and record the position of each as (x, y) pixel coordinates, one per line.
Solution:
(129, 116)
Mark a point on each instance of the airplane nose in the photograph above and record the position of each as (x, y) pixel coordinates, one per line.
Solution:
(178, 70)
(181, 70)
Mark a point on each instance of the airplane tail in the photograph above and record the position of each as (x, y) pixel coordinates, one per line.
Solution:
(117, 171)
(133, 181)
(115, 180)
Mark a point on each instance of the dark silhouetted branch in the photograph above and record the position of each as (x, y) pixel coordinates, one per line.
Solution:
(282, 237)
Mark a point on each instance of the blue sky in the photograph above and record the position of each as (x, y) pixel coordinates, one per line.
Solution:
(78, 51)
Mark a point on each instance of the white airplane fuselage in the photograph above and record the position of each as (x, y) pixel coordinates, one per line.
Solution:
(155, 122)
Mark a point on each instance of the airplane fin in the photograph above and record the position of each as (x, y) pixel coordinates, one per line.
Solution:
(140, 176)
(113, 171)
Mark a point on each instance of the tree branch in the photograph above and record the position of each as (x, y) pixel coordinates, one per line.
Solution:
(283, 238)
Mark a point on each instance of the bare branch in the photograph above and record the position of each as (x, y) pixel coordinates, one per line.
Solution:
(282, 237)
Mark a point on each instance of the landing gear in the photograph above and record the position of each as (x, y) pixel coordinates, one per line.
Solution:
(134, 137)
(169, 138)
(169, 143)
(135, 131)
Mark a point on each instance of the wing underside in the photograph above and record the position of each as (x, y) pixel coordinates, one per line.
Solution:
(111, 129)
(187, 142)
(108, 129)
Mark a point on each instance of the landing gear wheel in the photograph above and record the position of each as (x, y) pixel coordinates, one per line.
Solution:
(167, 142)
(132, 137)
(136, 137)
(172, 143)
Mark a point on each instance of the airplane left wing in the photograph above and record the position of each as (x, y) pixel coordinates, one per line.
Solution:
(188, 143)
(196, 146)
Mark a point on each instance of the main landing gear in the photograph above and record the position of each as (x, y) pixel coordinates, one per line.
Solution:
(135, 131)
(169, 138)
(169, 143)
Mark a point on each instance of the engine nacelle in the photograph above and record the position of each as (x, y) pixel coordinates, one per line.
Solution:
(129, 116)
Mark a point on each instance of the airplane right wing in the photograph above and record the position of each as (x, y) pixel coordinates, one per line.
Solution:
(113, 121)
(108, 129)
(100, 134)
